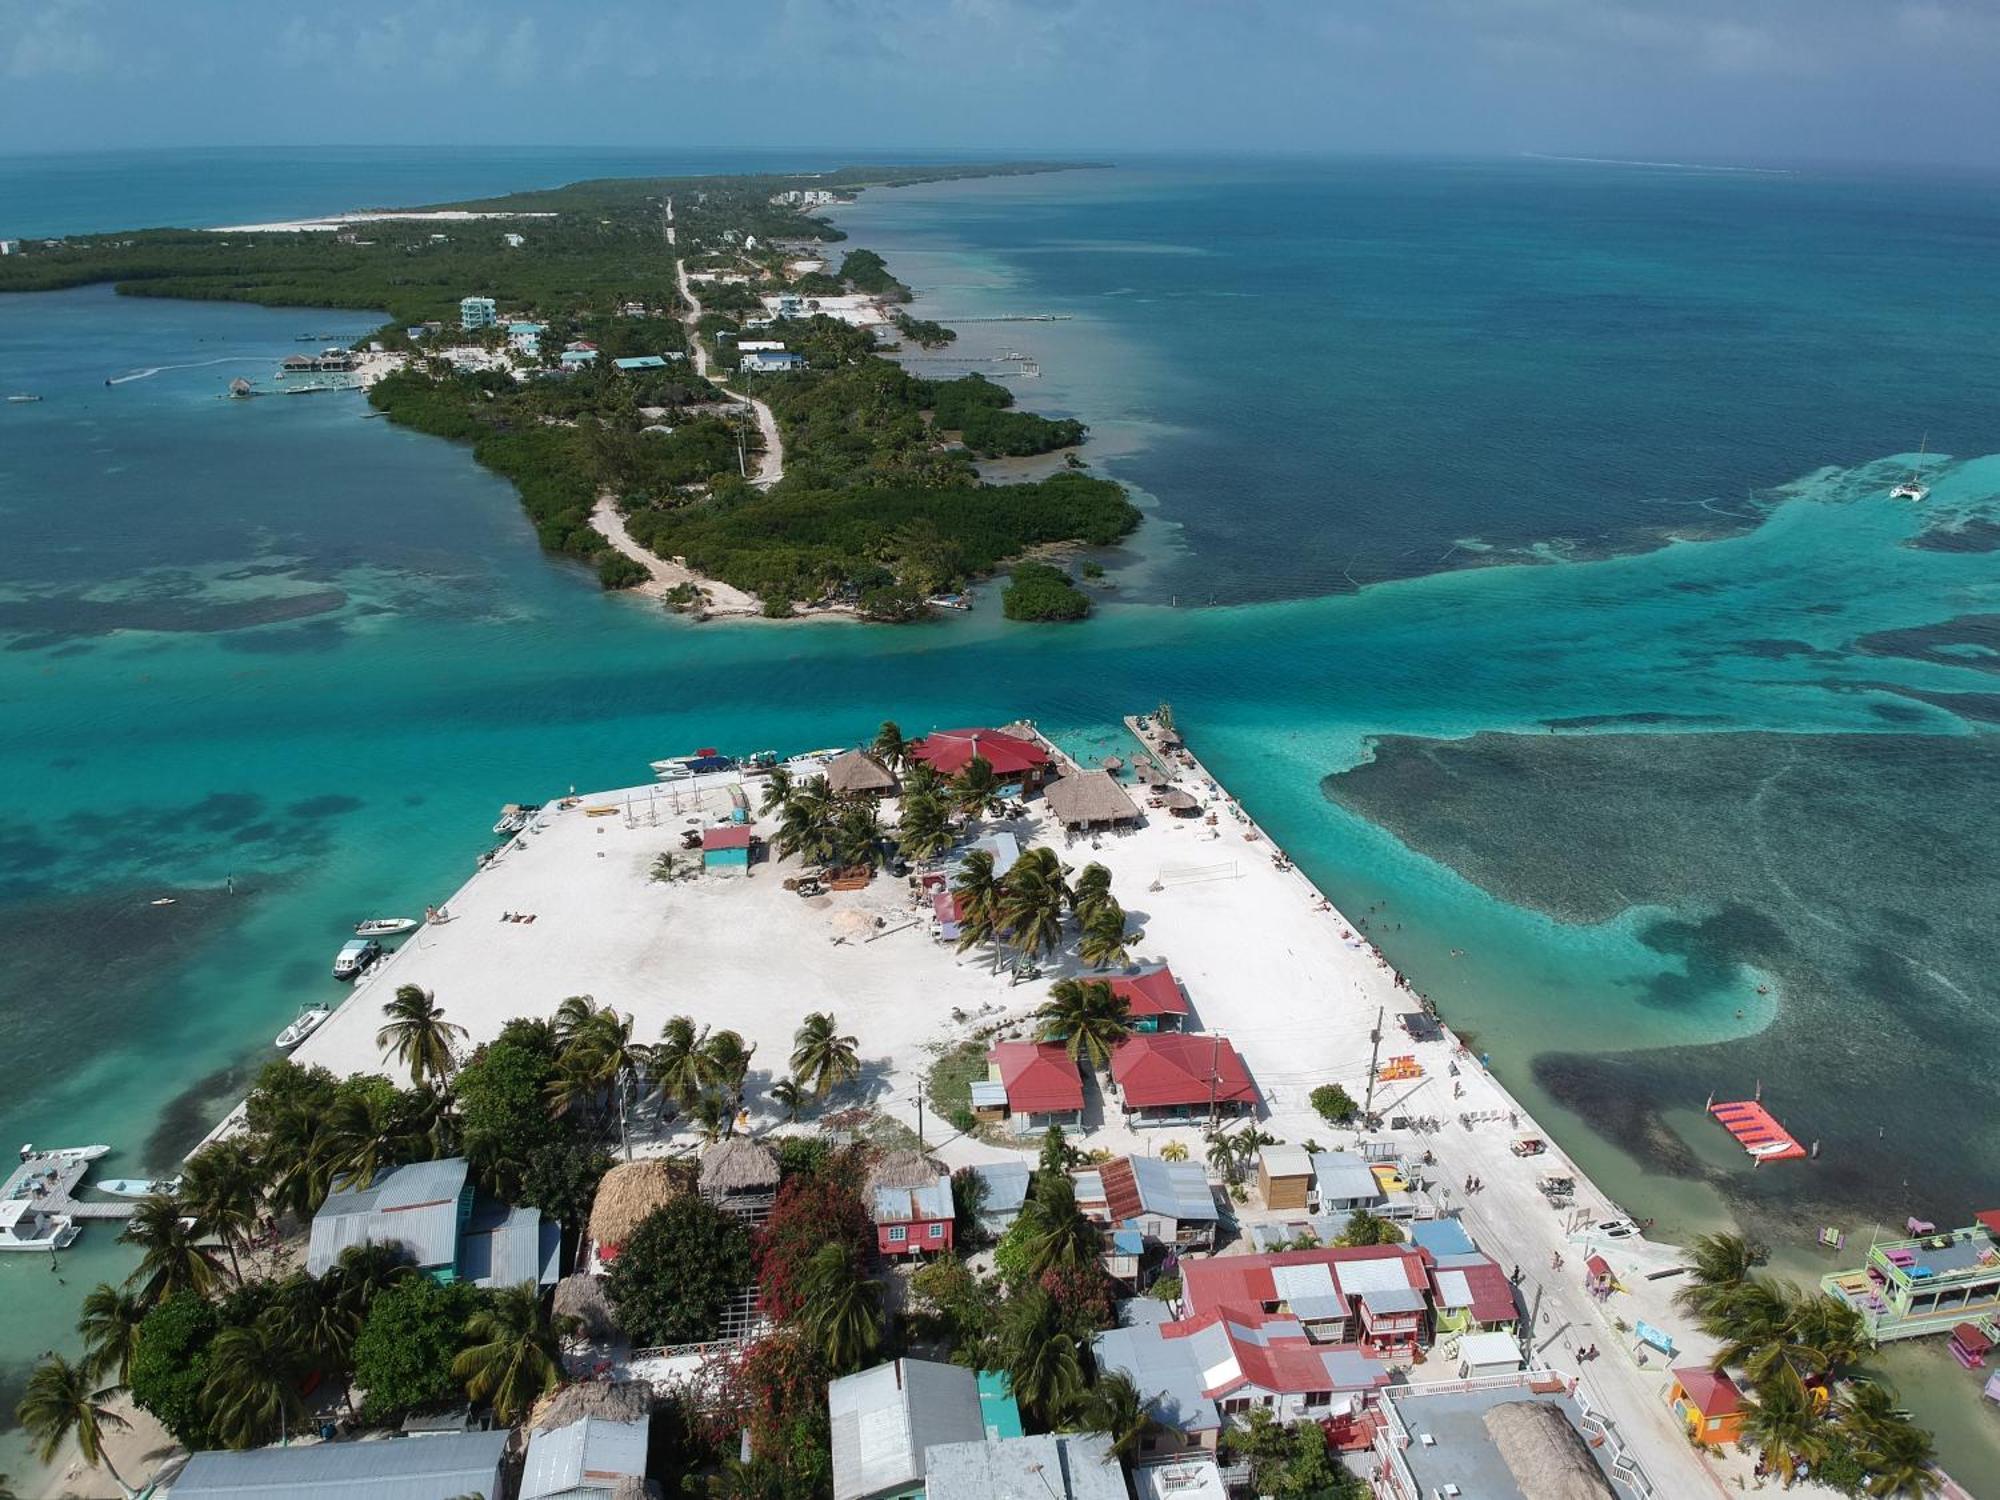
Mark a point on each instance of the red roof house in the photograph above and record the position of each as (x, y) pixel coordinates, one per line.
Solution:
(1375, 1295)
(1175, 1075)
(728, 836)
(1153, 996)
(948, 751)
(1042, 1082)
(1708, 1404)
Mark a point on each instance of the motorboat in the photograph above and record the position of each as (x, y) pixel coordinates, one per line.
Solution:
(515, 816)
(23, 1226)
(683, 767)
(23, 399)
(303, 1025)
(66, 1153)
(140, 1187)
(380, 927)
(1914, 487)
(355, 956)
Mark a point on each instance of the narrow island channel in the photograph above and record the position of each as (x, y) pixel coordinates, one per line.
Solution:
(686, 389)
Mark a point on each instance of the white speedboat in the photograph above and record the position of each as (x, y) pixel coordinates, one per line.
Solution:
(355, 956)
(1914, 487)
(376, 927)
(22, 400)
(139, 1187)
(25, 1227)
(303, 1025)
(67, 1153)
(515, 816)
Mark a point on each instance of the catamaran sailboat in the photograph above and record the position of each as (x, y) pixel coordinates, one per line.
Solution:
(1914, 487)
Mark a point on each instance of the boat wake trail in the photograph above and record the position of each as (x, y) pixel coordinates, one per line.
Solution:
(147, 372)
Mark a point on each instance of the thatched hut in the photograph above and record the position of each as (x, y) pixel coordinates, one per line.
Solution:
(859, 774)
(628, 1193)
(1090, 799)
(738, 1167)
(1179, 803)
(1545, 1454)
(581, 1296)
(606, 1400)
(903, 1169)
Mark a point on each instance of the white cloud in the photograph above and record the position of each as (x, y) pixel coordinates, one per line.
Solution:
(50, 41)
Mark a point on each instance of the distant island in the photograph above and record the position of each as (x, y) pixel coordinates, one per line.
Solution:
(685, 388)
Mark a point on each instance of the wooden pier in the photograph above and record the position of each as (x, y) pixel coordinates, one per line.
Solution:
(52, 1181)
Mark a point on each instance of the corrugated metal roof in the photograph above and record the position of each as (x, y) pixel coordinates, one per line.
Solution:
(1300, 1282)
(884, 1419)
(505, 1246)
(1393, 1299)
(412, 1468)
(414, 1205)
(1441, 1237)
(1453, 1289)
(584, 1457)
(1343, 1177)
(1178, 1189)
(1163, 1369)
(1006, 1185)
(896, 1205)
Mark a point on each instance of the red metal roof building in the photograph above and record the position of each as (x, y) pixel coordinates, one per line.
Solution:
(729, 836)
(1175, 1075)
(948, 751)
(1154, 998)
(1708, 1404)
(1374, 1295)
(1041, 1078)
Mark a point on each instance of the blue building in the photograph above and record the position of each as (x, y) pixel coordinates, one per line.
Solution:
(643, 362)
(477, 312)
(432, 1211)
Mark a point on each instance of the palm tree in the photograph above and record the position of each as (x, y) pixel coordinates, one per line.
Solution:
(1901, 1459)
(821, 1056)
(363, 1271)
(712, 1116)
(777, 791)
(979, 892)
(598, 1057)
(518, 1353)
(1087, 1016)
(219, 1186)
(1040, 1357)
(173, 1258)
(1174, 1151)
(890, 747)
(61, 1399)
(1780, 1423)
(1032, 902)
(573, 1017)
(1102, 942)
(1115, 1408)
(923, 830)
(681, 1061)
(418, 1034)
(805, 827)
(314, 1318)
(366, 1133)
(920, 779)
(292, 1158)
(975, 791)
(110, 1328)
(790, 1096)
(728, 1061)
(1832, 1331)
(1056, 1234)
(1720, 1263)
(1091, 889)
(842, 1308)
(252, 1391)
(857, 835)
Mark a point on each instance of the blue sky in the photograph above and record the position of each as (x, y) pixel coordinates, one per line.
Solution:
(1725, 80)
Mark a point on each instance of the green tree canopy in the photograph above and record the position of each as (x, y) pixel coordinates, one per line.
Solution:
(675, 1276)
(415, 1328)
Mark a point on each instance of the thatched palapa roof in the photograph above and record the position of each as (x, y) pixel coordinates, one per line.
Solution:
(858, 771)
(1545, 1454)
(903, 1169)
(611, 1400)
(738, 1166)
(581, 1296)
(629, 1192)
(1086, 797)
(1176, 800)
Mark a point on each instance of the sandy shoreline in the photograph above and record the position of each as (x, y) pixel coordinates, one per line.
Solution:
(341, 221)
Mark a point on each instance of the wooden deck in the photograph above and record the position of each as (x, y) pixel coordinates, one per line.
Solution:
(60, 1176)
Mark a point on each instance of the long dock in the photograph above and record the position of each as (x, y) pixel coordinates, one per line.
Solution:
(52, 1182)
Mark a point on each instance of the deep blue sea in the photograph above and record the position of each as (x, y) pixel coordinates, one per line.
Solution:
(1518, 547)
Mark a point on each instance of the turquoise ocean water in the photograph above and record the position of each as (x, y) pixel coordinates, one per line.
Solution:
(1653, 817)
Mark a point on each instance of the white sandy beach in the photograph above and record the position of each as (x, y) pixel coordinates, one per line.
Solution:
(342, 221)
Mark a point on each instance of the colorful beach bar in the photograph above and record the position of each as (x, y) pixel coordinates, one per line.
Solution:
(1926, 1284)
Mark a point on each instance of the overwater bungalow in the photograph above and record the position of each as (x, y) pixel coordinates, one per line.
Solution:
(1927, 1284)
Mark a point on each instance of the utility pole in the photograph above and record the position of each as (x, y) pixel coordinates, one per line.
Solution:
(1374, 1057)
(1214, 1078)
(920, 1117)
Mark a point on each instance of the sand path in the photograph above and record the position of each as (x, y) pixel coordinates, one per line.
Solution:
(771, 462)
(722, 599)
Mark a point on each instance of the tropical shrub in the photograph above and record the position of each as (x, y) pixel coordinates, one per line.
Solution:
(675, 1276)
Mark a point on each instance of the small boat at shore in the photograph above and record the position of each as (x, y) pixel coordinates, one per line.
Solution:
(139, 1187)
(23, 399)
(516, 816)
(354, 957)
(26, 1227)
(703, 762)
(377, 927)
(304, 1025)
(65, 1153)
